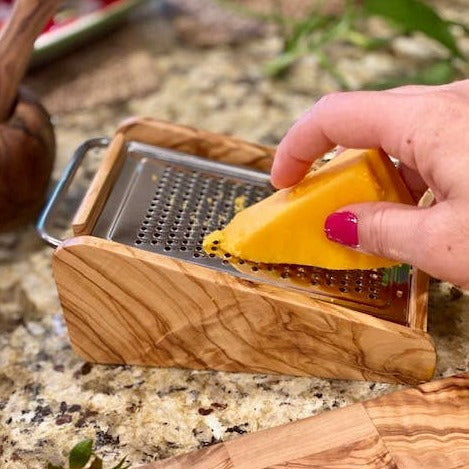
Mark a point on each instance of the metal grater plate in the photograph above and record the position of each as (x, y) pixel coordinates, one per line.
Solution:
(166, 202)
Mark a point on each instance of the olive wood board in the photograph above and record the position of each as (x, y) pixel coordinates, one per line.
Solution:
(167, 312)
(422, 428)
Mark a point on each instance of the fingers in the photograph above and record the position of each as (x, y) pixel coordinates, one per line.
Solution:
(393, 120)
(433, 239)
(354, 120)
(462, 85)
(411, 89)
(303, 143)
(384, 229)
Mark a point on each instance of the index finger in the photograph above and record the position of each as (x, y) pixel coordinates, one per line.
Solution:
(361, 119)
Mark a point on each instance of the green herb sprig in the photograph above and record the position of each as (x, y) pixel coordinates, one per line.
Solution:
(311, 35)
(82, 456)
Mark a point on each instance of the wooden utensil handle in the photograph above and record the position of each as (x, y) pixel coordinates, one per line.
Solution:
(17, 37)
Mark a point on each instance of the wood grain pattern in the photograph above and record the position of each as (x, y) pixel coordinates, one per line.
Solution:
(208, 145)
(198, 142)
(17, 37)
(418, 303)
(427, 427)
(302, 436)
(167, 312)
(167, 135)
(297, 445)
(96, 195)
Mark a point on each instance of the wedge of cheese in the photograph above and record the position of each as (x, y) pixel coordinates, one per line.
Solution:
(288, 226)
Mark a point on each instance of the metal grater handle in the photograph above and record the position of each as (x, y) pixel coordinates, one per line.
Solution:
(61, 188)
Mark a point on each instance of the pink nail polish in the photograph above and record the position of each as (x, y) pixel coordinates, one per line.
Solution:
(342, 228)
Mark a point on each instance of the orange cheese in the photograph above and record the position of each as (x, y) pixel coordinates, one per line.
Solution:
(288, 226)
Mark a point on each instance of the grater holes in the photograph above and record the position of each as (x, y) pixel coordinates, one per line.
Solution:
(187, 204)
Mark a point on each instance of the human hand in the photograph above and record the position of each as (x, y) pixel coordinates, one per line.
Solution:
(427, 129)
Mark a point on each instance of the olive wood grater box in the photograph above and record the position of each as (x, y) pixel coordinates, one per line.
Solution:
(137, 288)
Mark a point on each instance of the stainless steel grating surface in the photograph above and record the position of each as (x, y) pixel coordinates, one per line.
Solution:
(187, 205)
(166, 202)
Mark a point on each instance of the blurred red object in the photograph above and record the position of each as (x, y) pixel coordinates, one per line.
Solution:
(69, 11)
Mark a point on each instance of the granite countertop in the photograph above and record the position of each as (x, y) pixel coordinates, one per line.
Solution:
(51, 399)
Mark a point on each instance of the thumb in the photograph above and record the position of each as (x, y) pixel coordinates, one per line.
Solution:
(393, 231)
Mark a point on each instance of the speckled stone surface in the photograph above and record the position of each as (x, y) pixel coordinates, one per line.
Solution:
(50, 399)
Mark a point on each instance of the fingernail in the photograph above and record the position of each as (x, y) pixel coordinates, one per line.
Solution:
(342, 228)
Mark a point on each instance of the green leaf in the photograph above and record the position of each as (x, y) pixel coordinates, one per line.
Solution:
(362, 40)
(53, 466)
(464, 27)
(415, 15)
(80, 454)
(437, 73)
(97, 463)
(303, 29)
(281, 63)
(120, 465)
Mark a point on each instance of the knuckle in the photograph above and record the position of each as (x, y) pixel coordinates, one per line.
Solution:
(326, 99)
(382, 239)
(375, 234)
(429, 131)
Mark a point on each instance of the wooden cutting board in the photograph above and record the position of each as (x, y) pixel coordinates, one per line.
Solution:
(426, 427)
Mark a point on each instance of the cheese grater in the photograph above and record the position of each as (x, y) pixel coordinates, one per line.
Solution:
(159, 190)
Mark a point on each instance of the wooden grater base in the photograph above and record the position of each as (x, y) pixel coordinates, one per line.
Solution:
(126, 305)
